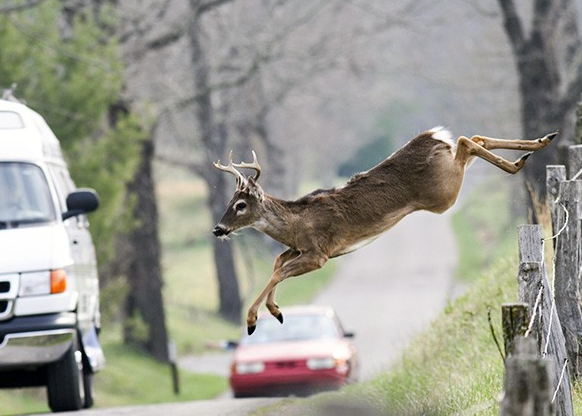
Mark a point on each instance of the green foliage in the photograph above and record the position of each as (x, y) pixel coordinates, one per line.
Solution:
(107, 165)
(69, 81)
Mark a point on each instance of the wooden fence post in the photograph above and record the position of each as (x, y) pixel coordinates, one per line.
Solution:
(514, 322)
(534, 288)
(554, 175)
(574, 160)
(567, 259)
(528, 386)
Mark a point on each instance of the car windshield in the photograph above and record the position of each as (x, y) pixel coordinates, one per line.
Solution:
(24, 195)
(295, 328)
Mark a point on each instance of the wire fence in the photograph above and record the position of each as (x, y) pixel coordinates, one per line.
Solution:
(545, 354)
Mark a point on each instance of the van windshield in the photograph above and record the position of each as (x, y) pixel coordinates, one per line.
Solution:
(25, 197)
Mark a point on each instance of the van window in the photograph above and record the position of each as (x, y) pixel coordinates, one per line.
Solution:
(25, 196)
(10, 120)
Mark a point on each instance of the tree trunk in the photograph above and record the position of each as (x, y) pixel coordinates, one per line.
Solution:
(214, 142)
(547, 96)
(144, 301)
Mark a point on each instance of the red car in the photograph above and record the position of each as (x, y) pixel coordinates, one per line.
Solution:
(310, 352)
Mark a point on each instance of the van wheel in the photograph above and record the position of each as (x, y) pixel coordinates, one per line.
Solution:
(65, 386)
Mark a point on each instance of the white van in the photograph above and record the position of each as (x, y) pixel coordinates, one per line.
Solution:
(49, 289)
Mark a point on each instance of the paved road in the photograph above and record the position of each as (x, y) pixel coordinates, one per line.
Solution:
(385, 293)
(392, 288)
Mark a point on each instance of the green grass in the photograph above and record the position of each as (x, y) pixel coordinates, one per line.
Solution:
(485, 228)
(452, 368)
(130, 377)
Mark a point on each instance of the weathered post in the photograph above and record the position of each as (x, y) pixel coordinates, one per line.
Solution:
(528, 384)
(514, 321)
(533, 285)
(554, 175)
(567, 264)
(574, 160)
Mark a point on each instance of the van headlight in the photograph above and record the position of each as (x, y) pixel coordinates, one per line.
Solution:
(43, 283)
(250, 368)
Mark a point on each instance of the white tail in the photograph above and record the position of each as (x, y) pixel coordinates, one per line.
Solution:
(425, 174)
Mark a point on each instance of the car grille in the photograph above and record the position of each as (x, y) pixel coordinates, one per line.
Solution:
(8, 291)
(286, 364)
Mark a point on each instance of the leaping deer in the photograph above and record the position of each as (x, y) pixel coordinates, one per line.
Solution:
(425, 174)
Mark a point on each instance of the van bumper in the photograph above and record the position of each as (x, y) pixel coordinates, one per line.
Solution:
(35, 340)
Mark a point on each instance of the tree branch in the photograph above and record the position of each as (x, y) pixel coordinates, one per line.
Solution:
(573, 94)
(208, 5)
(512, 24)
(176, 161)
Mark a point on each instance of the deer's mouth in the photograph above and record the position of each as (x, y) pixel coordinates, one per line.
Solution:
(220, 231)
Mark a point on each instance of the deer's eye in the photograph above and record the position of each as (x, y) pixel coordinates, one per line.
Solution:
(240, 206)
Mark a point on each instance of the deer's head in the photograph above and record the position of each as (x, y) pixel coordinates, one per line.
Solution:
(244, 209)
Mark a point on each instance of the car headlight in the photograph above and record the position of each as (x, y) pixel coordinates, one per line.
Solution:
(42, 283)
(250, 368)
(322, 363)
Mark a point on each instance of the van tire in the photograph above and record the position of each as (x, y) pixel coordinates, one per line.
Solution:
(65, 384)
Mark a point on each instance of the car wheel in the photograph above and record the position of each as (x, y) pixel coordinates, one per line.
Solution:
(65, 387)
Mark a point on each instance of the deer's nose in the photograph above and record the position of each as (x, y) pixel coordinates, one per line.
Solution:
(220, 230)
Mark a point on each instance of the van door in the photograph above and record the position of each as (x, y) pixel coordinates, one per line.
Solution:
(84, 269)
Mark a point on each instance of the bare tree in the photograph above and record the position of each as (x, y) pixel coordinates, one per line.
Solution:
(549, 65)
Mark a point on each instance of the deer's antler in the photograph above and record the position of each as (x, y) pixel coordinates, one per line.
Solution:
(241, 181)
(255, 166)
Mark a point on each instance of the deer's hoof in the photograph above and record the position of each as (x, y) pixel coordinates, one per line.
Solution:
(522, 159)
(551, 136)
(251, 329)
(279, 317)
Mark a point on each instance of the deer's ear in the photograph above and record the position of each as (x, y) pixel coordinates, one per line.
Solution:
(255, 189)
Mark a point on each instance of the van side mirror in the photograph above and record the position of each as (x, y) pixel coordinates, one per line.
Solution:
(81, 201)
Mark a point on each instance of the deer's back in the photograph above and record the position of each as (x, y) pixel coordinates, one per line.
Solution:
(418, 176)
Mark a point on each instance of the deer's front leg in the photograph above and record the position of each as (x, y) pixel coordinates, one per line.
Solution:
(297, 264)
(281, 260)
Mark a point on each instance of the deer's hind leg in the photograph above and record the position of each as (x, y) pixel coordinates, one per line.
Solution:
(491, 143)
(478, 146)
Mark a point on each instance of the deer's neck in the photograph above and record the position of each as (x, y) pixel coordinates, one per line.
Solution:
(275, 220)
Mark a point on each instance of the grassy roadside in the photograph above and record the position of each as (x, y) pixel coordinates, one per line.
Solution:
(454, 367)
(485, 229)
(191, 299)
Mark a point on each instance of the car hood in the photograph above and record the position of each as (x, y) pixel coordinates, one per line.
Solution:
(34, 248)
(293, 350)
